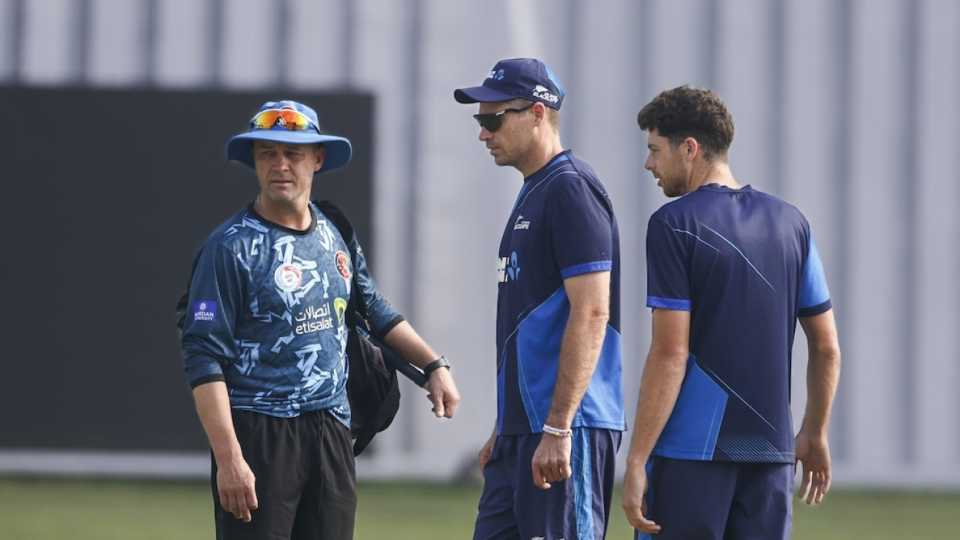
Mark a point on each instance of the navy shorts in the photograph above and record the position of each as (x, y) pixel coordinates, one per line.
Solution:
(719, 500)
(511, 507)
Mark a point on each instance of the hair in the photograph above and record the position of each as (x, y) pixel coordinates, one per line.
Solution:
(552, 115)
(683, 112)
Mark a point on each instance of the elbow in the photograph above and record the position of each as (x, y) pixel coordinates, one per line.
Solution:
(671, 358)
(827, 354)
(830, 350)
(595, 314)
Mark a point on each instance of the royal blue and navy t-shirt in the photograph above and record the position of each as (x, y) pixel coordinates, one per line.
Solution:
(562, 226)
(266, 313)
(745, 265)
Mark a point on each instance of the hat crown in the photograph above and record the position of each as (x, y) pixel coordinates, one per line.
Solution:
(338, 149)
(526, 78)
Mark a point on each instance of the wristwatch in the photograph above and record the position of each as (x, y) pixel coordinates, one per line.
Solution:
(435, 365)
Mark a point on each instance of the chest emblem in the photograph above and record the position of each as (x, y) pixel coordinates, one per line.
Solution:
(343, 265)
(521, 224)
(288, 277)
(508, 268)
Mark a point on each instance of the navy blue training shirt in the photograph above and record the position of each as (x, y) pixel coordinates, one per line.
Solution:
(745, 265)
(266, 314)
(561, 226)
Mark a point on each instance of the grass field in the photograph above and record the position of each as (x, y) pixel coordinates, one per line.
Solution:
(115, 510)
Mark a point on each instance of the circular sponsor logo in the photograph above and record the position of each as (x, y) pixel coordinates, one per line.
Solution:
(343, 265)
(203, 306)
(288, 277)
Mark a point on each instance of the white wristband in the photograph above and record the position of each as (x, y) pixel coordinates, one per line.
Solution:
(557, 432)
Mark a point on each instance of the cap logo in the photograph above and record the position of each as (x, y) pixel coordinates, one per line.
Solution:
(495, 74)
(542, 92)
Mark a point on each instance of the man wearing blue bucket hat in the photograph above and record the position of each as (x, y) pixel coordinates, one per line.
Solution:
(264, 340)
(549, 465)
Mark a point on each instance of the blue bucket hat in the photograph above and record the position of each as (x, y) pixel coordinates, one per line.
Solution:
(338, 149)
(524, 78)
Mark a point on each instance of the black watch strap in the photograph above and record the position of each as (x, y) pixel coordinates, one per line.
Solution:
(435, 365)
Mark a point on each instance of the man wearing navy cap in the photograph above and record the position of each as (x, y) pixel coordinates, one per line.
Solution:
(264, 341)
(549, 464)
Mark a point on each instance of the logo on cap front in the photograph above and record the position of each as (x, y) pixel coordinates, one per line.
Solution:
(496, 74)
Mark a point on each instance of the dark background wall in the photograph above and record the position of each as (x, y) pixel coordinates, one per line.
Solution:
(107, 194)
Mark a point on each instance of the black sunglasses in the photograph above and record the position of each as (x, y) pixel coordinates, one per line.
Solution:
(492, 121)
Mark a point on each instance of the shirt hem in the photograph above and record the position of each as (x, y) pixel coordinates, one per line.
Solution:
(214, 377)
(678, 304)
(695, 455)
(815, 310)
(586, 268)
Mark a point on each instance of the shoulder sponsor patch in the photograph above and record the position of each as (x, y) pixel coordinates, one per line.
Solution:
(204, 310)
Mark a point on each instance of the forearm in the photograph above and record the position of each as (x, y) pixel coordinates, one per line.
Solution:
(662, 378)
(405, 340)
(823, 375)
(579, 352)
(213, 408)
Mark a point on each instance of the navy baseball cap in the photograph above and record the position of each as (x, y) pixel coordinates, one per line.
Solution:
(524, 78)
(288, 122)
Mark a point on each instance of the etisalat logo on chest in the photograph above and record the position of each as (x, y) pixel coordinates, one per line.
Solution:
(314, 319)
(204, 310)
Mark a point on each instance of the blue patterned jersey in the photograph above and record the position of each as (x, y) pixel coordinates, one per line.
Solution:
(266, 313)
(745, 265)
(561, 226)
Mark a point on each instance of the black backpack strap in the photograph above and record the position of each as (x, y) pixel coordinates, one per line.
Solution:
(356, 312)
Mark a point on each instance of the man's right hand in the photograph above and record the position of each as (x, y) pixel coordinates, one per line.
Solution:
(236, 487)
(813, 453)
(487, 451)
(634, 503)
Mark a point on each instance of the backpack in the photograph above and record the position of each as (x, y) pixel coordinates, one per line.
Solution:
(372, 386)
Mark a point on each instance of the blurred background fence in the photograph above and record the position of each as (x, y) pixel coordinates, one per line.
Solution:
(846, 108)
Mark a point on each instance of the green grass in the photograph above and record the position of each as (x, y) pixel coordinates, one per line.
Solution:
(107, 510)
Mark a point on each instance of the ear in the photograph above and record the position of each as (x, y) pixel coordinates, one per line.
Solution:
(539, 112)
(691, 148)
(321, 156)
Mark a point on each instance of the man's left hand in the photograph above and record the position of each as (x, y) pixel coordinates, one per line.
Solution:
(443, 393)
(551, 461)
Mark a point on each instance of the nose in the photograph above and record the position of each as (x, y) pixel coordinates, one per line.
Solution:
(485, 135)
(281, 163)
(648, 164)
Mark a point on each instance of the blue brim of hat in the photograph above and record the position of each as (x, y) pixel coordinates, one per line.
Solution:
(480, 94)
(338, 149)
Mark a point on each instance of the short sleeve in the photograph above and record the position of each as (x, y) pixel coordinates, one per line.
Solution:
(209, 321)
(378, 311)
(668, 284)
(582, 228)
(814, 296)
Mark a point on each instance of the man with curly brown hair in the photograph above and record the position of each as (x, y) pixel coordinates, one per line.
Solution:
(730, 271)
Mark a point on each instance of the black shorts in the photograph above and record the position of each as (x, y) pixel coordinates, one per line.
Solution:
(305, 478)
